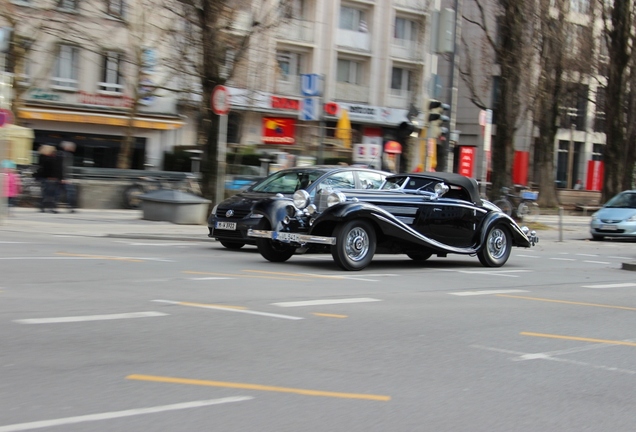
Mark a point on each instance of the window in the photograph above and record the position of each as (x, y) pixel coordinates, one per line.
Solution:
(293, 9)
(599, 116)
(289, 65)
(370, 180)
(116, 8)
(405, 30)
(580, 6)
(353, 19)
(401, 79)
(66, 70)
(69, 5)
(573, 109)
(341, 180)
(597, 152)
(112, 79)
(349, 71)
(228, 65)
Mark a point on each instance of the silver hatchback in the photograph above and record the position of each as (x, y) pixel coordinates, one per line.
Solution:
(617, 218)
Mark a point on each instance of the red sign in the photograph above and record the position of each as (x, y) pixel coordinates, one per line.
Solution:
(466, 161)
(278, 130)
(595, 173)
(221, 100)
(393, 147)
(331, 109)
(520, 168)
(285, 103)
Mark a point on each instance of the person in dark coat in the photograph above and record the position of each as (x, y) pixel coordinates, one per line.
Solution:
(65, 156)
(49, 173)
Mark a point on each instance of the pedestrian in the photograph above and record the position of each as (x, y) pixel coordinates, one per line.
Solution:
(65, 156)
(578, 185)
(49, 174)
(11, 182)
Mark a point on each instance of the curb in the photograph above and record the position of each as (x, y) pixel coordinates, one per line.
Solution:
(159, 237)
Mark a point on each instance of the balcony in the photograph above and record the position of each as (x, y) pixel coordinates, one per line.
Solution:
(289, 86)
(399, 98)
(353, 40)
(407, 50)
(352, 92)
(410, 4)
(296, 31)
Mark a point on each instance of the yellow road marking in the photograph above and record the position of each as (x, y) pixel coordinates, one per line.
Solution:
(294, 274)
(99, 257)
(245, 386)
(238, 275)
(330, 315)
(568, 302)
(213, 305)
(576, 338)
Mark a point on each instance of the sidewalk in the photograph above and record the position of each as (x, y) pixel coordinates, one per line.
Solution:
(129, 224)
(100, 223)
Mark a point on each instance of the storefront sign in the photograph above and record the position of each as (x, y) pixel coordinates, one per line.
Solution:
(285, 103)
(278, 130)
(104, 100)
(367, 153)
(467, 161)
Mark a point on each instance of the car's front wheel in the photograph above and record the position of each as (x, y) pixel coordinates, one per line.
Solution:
(355, 245)
(496, 250)
(231, 244)
(274, 251)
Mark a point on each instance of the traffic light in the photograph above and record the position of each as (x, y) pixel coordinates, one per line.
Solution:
(437, 119)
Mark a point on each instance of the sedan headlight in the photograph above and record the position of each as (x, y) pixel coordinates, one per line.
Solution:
(632, 219)
(301, 199)
(335, 198)
(594, 217)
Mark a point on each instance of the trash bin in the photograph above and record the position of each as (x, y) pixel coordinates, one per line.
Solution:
(174, 206)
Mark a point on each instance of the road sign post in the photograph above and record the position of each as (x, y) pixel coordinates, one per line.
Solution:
(221, 107)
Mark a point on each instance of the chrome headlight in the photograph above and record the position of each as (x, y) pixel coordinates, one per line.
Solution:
(335, 198)
(301, 199)
(311, 209)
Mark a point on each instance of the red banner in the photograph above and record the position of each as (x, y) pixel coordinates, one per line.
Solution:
(467, 161)
(595, 173)
(520, 168)
(278, 130)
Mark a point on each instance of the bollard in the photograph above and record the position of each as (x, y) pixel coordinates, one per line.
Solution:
(560, 224)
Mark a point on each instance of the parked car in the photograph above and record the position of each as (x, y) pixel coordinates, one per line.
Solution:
(419, 215)
(617, 218)
(230, 219)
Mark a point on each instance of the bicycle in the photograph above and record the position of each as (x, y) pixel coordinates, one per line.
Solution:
(527, 210)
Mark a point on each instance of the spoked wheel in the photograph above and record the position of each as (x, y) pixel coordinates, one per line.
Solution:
(355, 245)
(419, 256)
(496, 250)
(131, 196)
(528, 211)
(231, 244)
(505, 206)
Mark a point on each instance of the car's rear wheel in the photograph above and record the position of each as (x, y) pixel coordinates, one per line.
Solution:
(419, 255)
(496, 250)
(355, 245)
(231, 244)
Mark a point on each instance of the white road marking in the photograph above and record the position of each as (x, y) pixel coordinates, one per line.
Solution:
(563, 259)
(596, 262)
(12, 242)
(618, 285)
(154, 244)
(526, 256)
(486, 292)
(87, 258)
(588, 255)
(619, 257)
(209, 278)
(325, 302)
(229, 309)
(89, 318)
(120, 414)
(489, 272)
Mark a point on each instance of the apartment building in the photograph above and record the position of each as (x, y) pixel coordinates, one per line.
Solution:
(364, 59)
(78, 67)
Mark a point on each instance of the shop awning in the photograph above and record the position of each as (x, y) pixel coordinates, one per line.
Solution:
(97, 118)
(20, 143)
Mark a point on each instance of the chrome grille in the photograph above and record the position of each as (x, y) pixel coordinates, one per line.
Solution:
(238, 213)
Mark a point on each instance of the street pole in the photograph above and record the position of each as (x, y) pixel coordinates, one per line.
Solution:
(454, 79)
(5, 103)
(221, 156)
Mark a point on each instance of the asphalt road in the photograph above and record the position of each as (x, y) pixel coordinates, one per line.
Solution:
(116, 334)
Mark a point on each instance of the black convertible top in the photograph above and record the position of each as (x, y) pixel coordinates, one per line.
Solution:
(466, 183)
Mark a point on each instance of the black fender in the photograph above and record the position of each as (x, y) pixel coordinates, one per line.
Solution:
(274, 210)
(494, 218)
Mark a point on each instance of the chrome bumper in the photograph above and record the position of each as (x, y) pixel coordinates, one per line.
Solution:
(291, 237)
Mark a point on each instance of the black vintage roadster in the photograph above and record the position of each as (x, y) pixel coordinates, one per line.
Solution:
(419, 215)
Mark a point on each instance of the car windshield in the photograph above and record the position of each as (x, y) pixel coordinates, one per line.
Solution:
(287, 182)
(393, 183)
(409, 183)
(622, 200)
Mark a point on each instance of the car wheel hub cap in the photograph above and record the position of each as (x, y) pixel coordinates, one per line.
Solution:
(357, 244)
(497, 243)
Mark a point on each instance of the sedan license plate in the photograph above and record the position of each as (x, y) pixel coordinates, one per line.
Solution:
(231, 226)
(609, 227)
